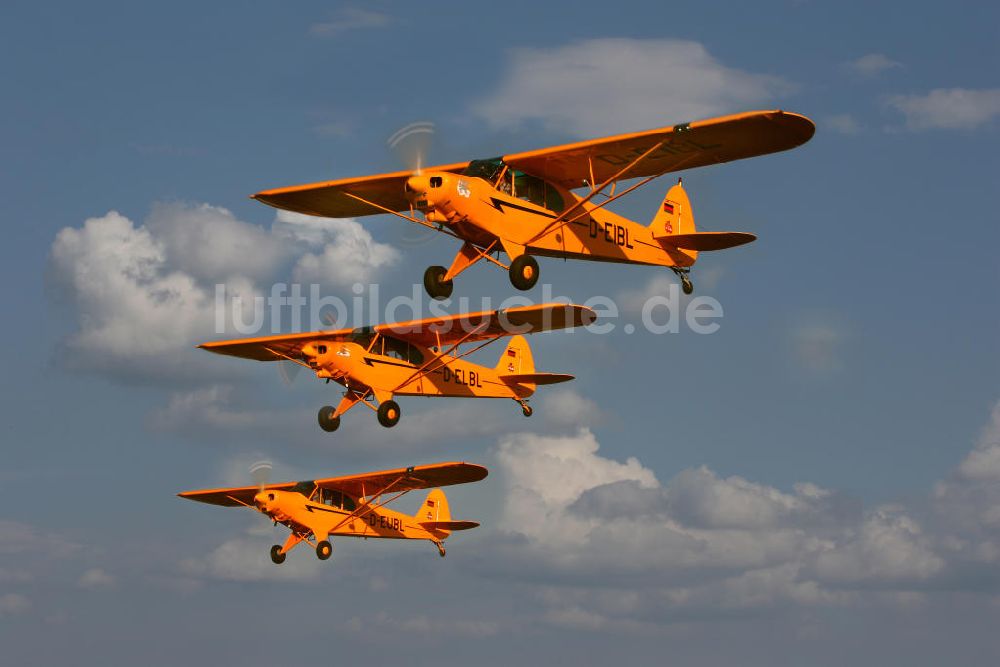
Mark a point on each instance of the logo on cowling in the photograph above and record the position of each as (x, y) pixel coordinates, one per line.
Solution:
(463, 188)
(344, 351)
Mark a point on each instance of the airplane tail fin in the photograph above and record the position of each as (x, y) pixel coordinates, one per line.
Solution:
(435, 516)
(673, 226)
(435, 508)
(675, 215)
(516, 359)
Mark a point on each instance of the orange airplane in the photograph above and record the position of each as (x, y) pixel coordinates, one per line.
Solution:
(418, 358)
(353, 506)
(523, 204)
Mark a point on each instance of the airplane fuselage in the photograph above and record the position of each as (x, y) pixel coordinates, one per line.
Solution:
(353, 365)
(303, 515)
(478, 212)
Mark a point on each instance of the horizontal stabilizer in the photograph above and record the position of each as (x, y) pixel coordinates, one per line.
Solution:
(536, 378)
(707, 240)
(448, 525)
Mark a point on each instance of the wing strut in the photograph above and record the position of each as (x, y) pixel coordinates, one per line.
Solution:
(425, 370)
(366, 508)
(285, 356)
(561, 218)
(403, 215)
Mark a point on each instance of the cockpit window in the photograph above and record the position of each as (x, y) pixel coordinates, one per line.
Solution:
(487, 170)
(537, 191)
(335, 498)
(305, 488)
(403, 351)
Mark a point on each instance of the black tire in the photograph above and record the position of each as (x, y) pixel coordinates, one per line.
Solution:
(388, 413)
(276, 556)
(323, 549)
(327, 421)
(434, 283)
(524, 272)
(686, 285)
(527, 411)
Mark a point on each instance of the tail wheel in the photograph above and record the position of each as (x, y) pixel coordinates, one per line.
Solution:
(441, 550)
(686, 284)
(435, 284)
(327, 421)
(323, 549)
(276, 556)
(388, 413)
(524, 272)
(526, 409)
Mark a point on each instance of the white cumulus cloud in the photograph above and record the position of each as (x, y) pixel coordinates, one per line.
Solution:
(620, 550)
(348, 253)
(613, 85)
(872, 64)
(246, 558)
(948, 108)
(144, 294)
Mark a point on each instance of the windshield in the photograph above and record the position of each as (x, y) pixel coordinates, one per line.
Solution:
(487, 170)
(517, 183)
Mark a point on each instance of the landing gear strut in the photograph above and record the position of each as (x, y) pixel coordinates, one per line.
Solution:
(686, 283)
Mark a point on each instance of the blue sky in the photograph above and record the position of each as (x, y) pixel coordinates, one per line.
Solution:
(824, 471)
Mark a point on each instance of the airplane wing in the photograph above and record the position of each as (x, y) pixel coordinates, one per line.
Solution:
(232, 497)
(331, 199)
(472, 327)
(405, 479)
(271, 348)
(356, 486)
(688, 145)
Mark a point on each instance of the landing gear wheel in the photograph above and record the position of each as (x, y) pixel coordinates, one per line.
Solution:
(686, 284)
(388, 413)
(435, 284)
(327, 421)
(526, 409)
(440, 547)
(323, 549)
(276, 556)
(524, 272)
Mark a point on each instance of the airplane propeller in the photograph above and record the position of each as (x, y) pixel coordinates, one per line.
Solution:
(261, 473)
(411, 144)
(288, 370)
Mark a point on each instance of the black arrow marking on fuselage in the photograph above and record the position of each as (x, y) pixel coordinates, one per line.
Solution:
(371, 361)
(499, 205)
(313, 508)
